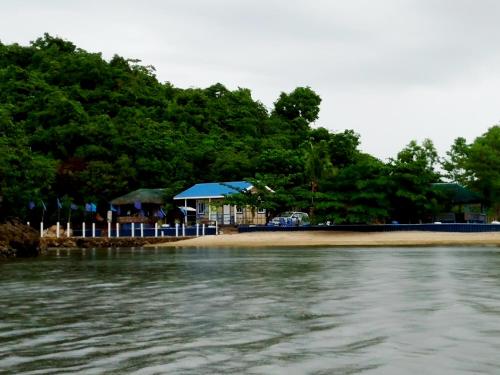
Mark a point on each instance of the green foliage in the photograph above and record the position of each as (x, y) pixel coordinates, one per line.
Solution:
(24, 175)
(411, 176)
(358, 194)
(482, 164)
(455, 162)
(78, 127)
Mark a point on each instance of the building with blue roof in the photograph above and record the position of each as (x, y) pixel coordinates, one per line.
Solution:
(205, 202)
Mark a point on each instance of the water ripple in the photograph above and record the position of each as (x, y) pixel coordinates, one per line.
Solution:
(310, 311)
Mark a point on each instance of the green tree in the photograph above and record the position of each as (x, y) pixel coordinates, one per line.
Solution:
(317, 165)
(454, 164)
(411, 175)
(483, 161)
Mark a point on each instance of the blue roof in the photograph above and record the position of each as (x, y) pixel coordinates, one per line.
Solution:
(213, 190)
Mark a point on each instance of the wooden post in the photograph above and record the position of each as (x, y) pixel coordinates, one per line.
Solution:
(58, 229)
(133, 230)
(109, 229)
(197, 230)
(83, 229)
(156, 230)
(176, 229)
(117, 229)
(93, 230)
(142, 230)
(216, 228)
(41, 229)
(203, 229)
(68, 229)
(183, 230)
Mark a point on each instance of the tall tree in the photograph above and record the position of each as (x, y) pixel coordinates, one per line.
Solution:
(317, 165)
(483, 164)
(454, 164)
(411, 175)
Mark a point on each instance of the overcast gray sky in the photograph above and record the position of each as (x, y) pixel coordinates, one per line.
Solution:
(392, 70)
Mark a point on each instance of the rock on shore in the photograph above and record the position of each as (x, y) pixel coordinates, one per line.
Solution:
(18, 240)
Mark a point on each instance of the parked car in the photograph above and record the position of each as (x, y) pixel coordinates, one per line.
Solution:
(290, 219)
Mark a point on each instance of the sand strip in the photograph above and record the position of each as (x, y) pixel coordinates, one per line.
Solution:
(287, 239)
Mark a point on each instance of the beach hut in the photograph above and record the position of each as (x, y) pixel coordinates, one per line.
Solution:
(207, 201)
(142, 205)
(463, 204)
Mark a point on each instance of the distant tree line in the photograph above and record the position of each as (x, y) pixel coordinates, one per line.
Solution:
(75, 128)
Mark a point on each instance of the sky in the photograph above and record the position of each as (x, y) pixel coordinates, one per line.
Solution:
(391, 70)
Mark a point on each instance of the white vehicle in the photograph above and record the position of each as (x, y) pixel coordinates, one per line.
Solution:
(291, 219)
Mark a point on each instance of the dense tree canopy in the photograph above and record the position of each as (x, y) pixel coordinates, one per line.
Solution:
(78, 128)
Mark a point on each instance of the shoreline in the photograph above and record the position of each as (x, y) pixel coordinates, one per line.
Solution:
(338, 239)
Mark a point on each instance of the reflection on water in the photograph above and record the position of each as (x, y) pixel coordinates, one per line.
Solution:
(292, 311)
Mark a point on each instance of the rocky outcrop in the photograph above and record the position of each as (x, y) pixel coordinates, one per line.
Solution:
(18, 240)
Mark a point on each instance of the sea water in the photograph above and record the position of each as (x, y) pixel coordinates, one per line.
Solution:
(290, 311)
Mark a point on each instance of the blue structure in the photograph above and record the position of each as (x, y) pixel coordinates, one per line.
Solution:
(213, 190)
(205, 202)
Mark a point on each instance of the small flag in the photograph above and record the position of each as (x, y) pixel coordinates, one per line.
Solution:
(73, 206)
(31, 205)
(44, 206)
(137, 205)
(59, 204)
(90, 207)
(161, 213)
(112, 208)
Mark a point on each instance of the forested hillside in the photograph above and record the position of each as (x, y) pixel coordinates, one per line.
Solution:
(82, 129)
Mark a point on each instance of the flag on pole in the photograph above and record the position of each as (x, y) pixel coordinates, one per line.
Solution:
(90, 207)
(138, 205)
(44, 206)
(59, 204)
(161, 213)
(112, 208)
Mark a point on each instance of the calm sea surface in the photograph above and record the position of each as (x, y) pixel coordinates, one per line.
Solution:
(282, 311)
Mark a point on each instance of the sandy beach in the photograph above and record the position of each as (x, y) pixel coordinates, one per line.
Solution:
(287, 239)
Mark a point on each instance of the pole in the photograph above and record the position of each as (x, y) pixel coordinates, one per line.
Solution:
(216, 228)
(93, 230)
(57, 230)
(41, 229)
(133, 229)
(68, 229)
(109, 229)
(117, 229)
(142, 230)
(176, 229)
(186, 216)
(83, 229)
(183, 230)
(209, 210)
(203, 230)
(197, 230)
(156, 229)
